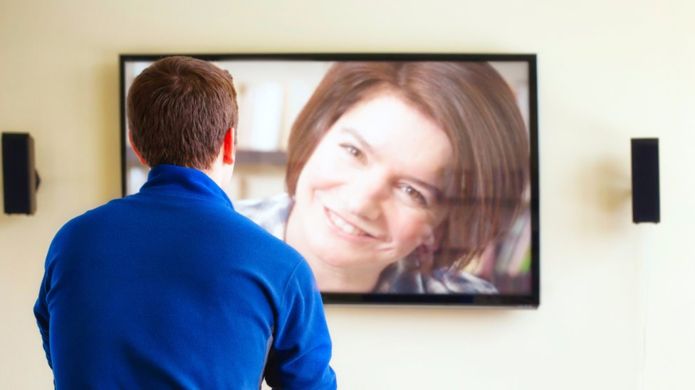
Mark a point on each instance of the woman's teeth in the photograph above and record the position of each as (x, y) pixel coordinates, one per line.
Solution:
(345, 226)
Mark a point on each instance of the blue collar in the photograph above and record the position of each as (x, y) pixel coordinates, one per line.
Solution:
(186, 182)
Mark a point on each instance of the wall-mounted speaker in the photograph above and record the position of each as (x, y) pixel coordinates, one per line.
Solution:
(19, 178)
(645, 180)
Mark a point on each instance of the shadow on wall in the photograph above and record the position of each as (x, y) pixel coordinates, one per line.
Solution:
(424, 315)
(606, 185)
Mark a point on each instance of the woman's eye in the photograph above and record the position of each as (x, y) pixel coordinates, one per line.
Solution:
(414, 195)
(352, 150)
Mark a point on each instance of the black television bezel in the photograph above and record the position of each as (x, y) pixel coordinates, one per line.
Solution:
(531, 300)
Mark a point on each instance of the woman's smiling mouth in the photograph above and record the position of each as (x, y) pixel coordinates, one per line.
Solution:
(344, 226)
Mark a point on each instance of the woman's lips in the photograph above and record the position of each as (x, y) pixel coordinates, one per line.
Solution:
(345, 226)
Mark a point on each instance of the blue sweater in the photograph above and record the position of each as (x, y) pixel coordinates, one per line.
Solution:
(171, 288)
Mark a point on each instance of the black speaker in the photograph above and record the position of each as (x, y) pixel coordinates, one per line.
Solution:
(645, 180)
(20, 179)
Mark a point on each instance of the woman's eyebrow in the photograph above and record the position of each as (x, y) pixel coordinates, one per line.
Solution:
(438, 192)
(361, 141)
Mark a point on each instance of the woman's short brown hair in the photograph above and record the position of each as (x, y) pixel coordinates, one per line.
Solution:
(474, 106)
(179, 110)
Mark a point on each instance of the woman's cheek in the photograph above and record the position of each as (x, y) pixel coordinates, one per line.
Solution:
(410, 231)
(317, 171)
(335, 171)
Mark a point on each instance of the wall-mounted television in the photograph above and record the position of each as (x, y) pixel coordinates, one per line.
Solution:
(401, 178)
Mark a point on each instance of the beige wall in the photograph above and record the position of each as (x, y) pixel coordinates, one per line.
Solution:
(618, 309)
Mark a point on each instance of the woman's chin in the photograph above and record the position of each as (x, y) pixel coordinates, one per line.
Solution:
(334, 258)
(341, 263)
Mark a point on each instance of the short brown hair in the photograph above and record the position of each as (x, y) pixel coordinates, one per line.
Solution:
(179, 110)
(474, 106)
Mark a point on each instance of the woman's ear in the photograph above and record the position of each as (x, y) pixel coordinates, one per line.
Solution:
(228, 153)
(135, 150)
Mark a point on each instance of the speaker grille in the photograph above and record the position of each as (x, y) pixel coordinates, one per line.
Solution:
(645, 180)
(19, 176)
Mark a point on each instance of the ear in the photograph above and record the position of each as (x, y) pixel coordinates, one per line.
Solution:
(228, 153)
(135, 150)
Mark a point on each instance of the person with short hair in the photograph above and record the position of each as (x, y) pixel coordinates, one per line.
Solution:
(401, 173)
(171, 287)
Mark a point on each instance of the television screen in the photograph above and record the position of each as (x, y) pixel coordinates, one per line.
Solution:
(401, 178)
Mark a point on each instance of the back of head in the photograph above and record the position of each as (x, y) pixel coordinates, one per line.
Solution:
(179, 110)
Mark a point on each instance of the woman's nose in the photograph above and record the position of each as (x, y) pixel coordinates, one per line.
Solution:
(366, 195)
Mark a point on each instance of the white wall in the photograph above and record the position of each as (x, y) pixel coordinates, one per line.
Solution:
(617, 307)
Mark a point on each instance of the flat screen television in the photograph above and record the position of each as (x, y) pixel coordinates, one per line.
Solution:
(401, 178)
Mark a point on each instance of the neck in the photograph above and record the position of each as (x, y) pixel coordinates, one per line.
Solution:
(220, 172)
(335, 279)
(330, 277)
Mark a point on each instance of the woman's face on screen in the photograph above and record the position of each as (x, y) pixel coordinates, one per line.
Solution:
(370, 192)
